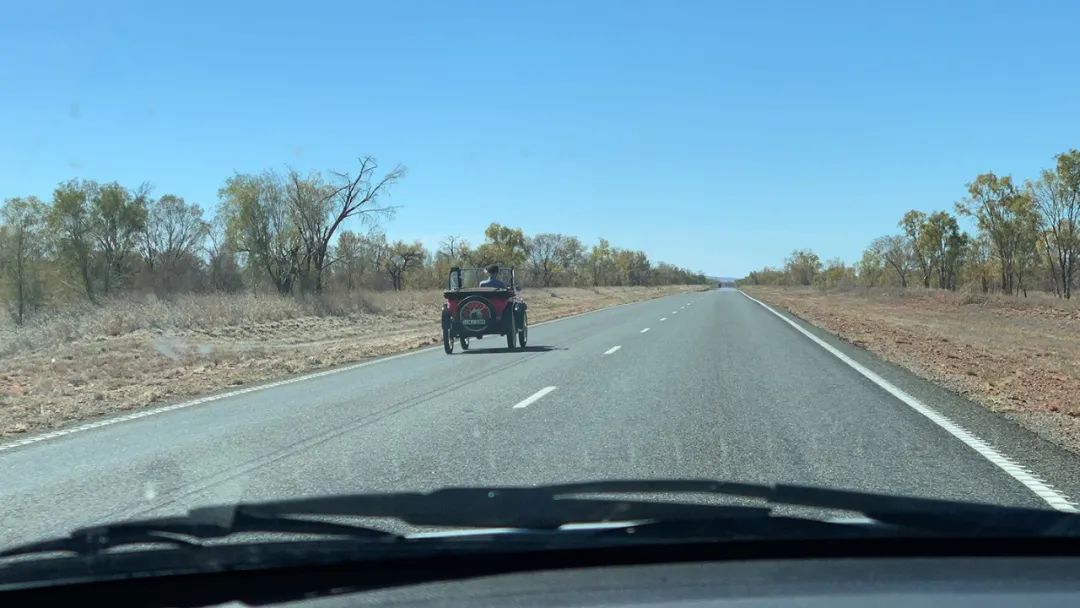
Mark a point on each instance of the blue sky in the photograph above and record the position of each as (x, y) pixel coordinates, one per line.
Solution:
(714, 135)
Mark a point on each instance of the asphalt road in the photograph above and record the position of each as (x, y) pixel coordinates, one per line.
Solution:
(717, 387)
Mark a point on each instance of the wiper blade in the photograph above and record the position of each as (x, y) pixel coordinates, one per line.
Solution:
(543, 508)
(931, 515)
(551, 507)
(925, 514)
(201, 524)
(554, 505)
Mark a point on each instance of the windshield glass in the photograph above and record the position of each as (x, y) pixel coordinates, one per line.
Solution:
(472, 278)
(831, 244)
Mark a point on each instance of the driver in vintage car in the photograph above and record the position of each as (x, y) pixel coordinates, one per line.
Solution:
(493, 278)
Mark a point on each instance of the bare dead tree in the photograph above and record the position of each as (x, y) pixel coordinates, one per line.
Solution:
(452, 247)
(398, 258)
(322, 208)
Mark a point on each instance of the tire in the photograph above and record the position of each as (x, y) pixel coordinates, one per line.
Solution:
(511, 332)
(523, 333)
(464, 343)
(465, 325)
(447, 341)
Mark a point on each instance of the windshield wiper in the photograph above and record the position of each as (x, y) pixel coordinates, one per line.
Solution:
(206, 523)
(928, 514)
(542, 508)
(551, 507)
(555, 505)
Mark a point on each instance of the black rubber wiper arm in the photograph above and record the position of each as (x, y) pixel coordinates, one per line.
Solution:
(926, 514)
(533, 508)
(553, 505)
(199, 525)
(932, 515)
(549, 507)
(542, 507)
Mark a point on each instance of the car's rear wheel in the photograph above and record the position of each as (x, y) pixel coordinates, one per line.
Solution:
(447, 341)
(511, 332)
(523, 333)
(464, 343)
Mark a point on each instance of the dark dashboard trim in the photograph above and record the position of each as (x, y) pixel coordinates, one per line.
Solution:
(333, 572)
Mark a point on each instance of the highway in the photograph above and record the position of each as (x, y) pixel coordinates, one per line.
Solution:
(698, 385)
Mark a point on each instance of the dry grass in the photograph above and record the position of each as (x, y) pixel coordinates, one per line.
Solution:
(1018, 356)
(90, 361)
(1038, 302)
(193, 312)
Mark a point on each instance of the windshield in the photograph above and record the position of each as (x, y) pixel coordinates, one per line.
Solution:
(472, 278)
(830, 244)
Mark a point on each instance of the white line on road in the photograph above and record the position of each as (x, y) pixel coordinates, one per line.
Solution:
(663, 318)
(644, 330)
(1040, 488)
(534, 397)
(177, 406)
(612, 349)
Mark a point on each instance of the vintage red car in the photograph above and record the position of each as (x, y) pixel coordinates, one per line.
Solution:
(472, 311)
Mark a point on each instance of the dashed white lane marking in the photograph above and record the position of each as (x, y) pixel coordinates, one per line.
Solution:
(534, 397)
(663, 318)
(612, 349)
(644, 330)
(251, 389)
(1038, 486)
(674, 312)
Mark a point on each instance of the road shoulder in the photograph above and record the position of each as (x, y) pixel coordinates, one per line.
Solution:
(1045, 459)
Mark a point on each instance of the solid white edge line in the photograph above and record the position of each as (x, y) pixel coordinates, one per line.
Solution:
(143, 413)
(612, 350)
(644, 330)
(531, 399)
(1040, 488)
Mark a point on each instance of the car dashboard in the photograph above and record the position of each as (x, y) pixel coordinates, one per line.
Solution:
(881, 582)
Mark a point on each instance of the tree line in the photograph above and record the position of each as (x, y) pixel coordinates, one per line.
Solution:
(280, 232)
(1027, 236)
